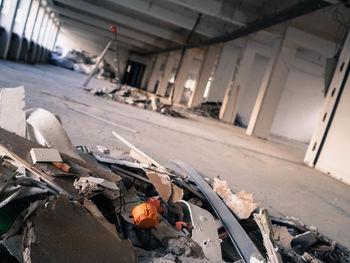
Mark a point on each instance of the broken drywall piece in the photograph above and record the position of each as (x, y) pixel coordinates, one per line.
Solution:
(45, 129)
(40, 155)
(242, 204)
(163, 185)
(282, 236)
(263, 221)
(14, 246)
(12, 116)
(177, 194)
(65, 231)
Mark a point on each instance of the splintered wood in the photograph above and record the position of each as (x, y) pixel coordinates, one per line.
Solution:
(242, 204)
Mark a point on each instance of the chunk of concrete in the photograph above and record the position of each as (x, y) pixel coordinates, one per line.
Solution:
(45, 155)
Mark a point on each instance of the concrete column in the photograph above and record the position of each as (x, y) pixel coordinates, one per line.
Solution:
(181, 78)
(43, 32)
(155, 73)
(56, 36)
(235, 90)
(47, 39)
(8, 23)
(33, 27)
(204, 75)
(28, 7)
(42, 37)
(38, 25)
(148, 72)
(224, 72)
(53, 35)
(170, 64)
(48, 33)
(270, 91)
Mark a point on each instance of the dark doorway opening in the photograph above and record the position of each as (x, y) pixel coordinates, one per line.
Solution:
(133, 74)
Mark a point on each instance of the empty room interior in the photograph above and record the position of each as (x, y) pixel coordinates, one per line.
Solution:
(174, 131)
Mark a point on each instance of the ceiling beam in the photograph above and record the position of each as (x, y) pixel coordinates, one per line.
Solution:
(105, 33)
(184, 19)
(291, 12)
(208, 7)
(105, 25)
(82, 33)
(125, 20)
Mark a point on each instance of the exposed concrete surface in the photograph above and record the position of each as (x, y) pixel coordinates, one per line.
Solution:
(272, 170)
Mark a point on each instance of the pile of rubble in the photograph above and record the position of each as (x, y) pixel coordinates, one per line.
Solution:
(207, 109)
(59, 203)
(137, 97)
(82, 62)
(211, 109)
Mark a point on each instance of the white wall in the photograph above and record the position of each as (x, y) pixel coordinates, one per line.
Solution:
(252, 88)
(68, 39)
(300, 106)
(335, 154)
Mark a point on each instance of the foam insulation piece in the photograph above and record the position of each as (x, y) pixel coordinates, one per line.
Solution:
(12, 116)
(45, 155)
(242, 203)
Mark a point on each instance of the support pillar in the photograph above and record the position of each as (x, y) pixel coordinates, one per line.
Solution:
(181, 78)
(207, 66)
(40, 28)
(270, 91)
(235, 90)
(9, 24)
(224, 72)
(58, 28)
(163, 84)
(28, 8)
(148, 72)
(37, 6)
(47, 39)
(42, 37)
(155, 73)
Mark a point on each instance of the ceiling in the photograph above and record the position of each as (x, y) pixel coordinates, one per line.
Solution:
(148, 25)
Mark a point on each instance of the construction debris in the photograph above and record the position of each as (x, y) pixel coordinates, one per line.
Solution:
(82, 62)
(44, 155)
(11, 110)
(207, 109)
(242, 204)
(137, 97)
(107, 205)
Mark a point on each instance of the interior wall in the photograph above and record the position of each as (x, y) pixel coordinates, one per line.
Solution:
(300, 106)
(251, 91)
(335, 154)
(68, 39)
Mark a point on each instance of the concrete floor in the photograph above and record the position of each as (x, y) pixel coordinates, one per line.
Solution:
(272, 170)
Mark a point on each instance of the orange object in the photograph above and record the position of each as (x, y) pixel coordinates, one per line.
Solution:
(157, 203)
(182, 225)
(63, 166)
(145, 215)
